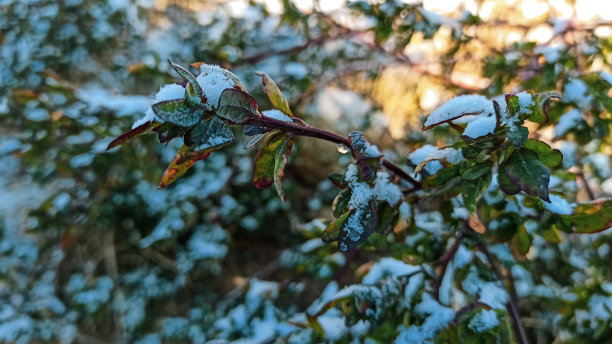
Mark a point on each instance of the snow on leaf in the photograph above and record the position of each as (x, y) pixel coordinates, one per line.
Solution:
(209, 135)
(214, 80)
(177, 112)
(483, 125)
(447, 155)
(458, 107)
(274, 93)
(388, 266)
(278, 115)
(484, 321)
(361, 148)
(237, 106)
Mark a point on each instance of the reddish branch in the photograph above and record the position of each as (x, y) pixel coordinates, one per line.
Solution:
(444, 261)
(306, 130)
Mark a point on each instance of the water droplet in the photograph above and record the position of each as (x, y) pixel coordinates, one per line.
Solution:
(342, 148)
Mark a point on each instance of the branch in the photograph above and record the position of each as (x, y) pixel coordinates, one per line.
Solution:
(445, 261)
(512, 305)
(309, 131)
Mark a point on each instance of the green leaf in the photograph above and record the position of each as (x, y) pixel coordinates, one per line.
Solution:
(513, 104)
(191, 98)
(477, 170)
(209, 134)
(550, 157)
(130, 135)
(358, 227)
(518, 136)
(263, 166)
(237, 106)
(179, 166)
(340, 204)
(591, 217)
(386, 214)
(473, 189)
(527, 172)
(521, 240)
(189, 77)
(177, 112)
(540, 107)
(167, 131)
(332, 232)
(552, 235)
(282, 155)
(274, 93)
(505, 184)
(338, 180)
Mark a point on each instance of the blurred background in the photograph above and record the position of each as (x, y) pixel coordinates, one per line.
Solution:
(92, 252)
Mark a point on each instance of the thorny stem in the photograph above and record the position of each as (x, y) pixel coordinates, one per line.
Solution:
(512, 305)
(306, 130)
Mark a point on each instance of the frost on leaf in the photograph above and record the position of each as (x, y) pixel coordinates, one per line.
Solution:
(214, 80)
(178, 112)
(458, 107)
(209, 135)
(445, 155)
(237, 106)
(361, 148)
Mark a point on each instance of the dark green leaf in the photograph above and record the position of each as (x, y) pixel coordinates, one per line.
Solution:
(385, 217)
(177, 112)
(237, 106)
(338, 180)
(527, 172)
(212, 133)
(550, 157)
(189, 77)
(518, 136)
(505, 184)
(473, 189)
(521, 240)
(167, 131)
(477, 170)
(358, 227)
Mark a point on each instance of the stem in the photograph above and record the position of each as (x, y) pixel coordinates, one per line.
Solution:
(306, 130)
(512, 305)
(445, 261)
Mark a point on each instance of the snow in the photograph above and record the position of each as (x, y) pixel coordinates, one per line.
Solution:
(460, 106)
(484, 321)
(259, 290)
(437, 19)
(607, 77)
(437, 317)
(420, 154)
(490, 293)
(385, 190)
(296, 70)
(575, 90)
(601, 164)
(483, 125)
(277, 114)
(388, 266)
(450, 155)
(568, 150)
(463, 257)
(165, 93)
(214, 80)
(311, 245)
(559, 205)
(568, 121)
(98, 98)
(525, 101)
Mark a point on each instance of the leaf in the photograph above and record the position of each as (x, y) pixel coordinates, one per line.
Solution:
(211, 135)
(361, 148)
(477, 170)
(385, 217)
(552, 235)
(591, 217)
(191, 98)
(177, 168)
(358, 227)
(550, 157)
(338, 180)
(505, 184)
(274, 93)
(513, 104)
(263, 166)
(189, 77)
(237, 106)
(130, 135)
(251, 141)
(473, 189)
(521, 240)
(252, 130)
(282, 155)
(332, 232)
(177, 112)
(527, 172)
(167, 131)
(197, 65)
(518, 136)
(540, 109)
(476, 225)
(340, 204)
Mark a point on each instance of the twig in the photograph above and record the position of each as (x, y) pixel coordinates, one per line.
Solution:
(512, 305)
(586, 185)
(309, 131)
(445, 261)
